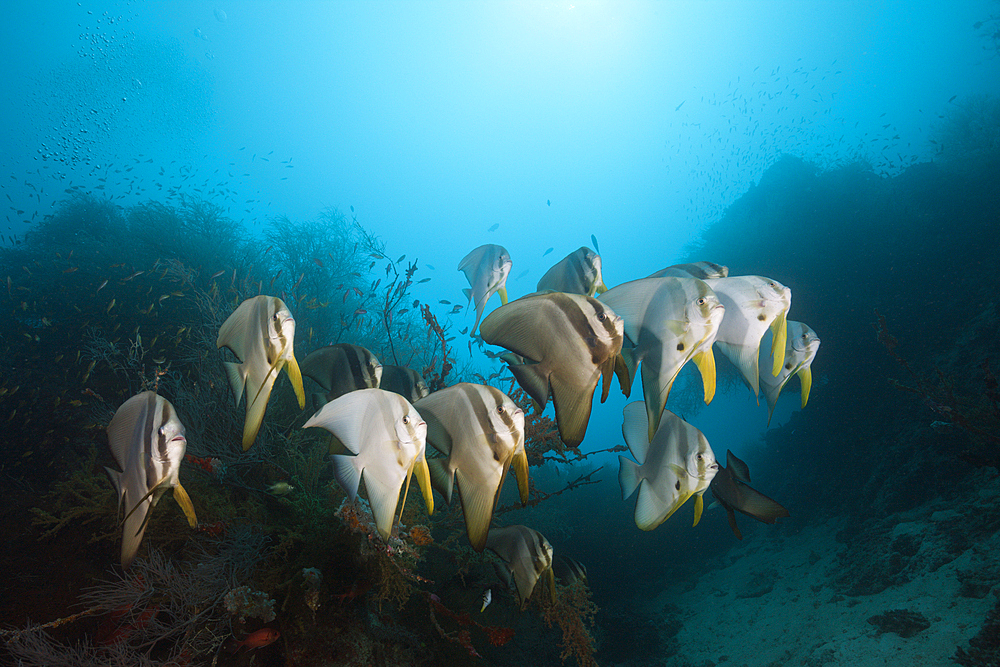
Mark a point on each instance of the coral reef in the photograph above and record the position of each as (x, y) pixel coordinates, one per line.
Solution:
(573, 611)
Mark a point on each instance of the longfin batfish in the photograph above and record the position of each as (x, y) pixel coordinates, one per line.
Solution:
(388, 437)
(573, 340)
(753, 304)
(800, 350)
(568, 570)
(341, 368)
(670, 321)
(486, 269)
(404, 381)
(699, 270)
(731, 487)
(480, 430)
(261, 333)
(577, 273)
(678, 463)
(527, 555)
(147, 440)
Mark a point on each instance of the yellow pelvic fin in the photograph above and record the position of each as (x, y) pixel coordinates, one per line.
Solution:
(806, 377)
(779, 336)
(503, 295)
(423, 473)
(184, 500)
(521, 473)
(295, 375)
(705, 361)
(699, 507)
(136, 506)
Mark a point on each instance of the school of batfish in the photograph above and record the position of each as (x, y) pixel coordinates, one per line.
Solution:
(559, 342)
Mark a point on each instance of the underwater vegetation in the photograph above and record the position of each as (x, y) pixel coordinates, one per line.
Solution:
(101, 303)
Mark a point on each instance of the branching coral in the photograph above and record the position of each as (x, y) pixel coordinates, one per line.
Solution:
(572, 611)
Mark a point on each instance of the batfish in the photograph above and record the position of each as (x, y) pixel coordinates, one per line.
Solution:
(700, 270)
(573, 341)
(577, 273)
(486, 269)
(261, 333)
(147, 440)
(678, 463)
(341, 368)
(527, 555)
(404, 381)
(481, 432)
(388, 437)
(731, 487)
(670, 321)
(753, 304)
(800, 350)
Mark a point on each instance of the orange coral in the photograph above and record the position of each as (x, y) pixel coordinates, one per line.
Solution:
(421, 536)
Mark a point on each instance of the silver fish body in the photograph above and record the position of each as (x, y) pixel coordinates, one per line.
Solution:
(387, 437)
(670, 321)
(480, 430)
(676, 464)
(753, 305)
(147, 440)
(571, 340)
(801, 347)
(261, 333)
(577, 273)
(486, 269)
(527, 555)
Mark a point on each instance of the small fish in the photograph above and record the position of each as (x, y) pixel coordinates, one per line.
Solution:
(494, 227)
(318, 261)
(487, 599)
(110, 305)
(147, 440)
(217, 274)
(259, 639)
(548, 202)
(387, 437)
(261, 333)
(547, 252)
(486, 268)
(71, 269)
(674, 465)
(281, 488)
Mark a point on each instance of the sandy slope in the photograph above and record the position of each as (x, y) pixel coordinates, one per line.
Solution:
(771, 603)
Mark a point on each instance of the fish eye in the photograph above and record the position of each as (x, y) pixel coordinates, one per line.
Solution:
(406, 419)
(700, 457)
(702, 301)
(500, 410)
(601, 316)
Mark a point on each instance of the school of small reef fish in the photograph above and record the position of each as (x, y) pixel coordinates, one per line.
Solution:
(558, 342)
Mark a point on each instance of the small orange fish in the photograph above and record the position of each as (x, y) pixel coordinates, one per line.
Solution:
(259, 639)
(71, 269)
